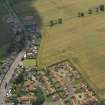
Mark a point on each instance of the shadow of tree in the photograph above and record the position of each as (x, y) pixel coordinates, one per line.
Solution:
(5, 31)
(24, 8)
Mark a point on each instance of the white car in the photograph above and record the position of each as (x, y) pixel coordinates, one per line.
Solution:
(8, 94)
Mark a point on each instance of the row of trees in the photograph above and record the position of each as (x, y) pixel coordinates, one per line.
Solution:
(101, 8)
(53, 22)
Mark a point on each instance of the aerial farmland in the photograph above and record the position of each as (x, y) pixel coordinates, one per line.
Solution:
(66, 39)
(79, 39)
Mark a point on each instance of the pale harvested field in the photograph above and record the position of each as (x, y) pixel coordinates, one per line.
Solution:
(79, 39)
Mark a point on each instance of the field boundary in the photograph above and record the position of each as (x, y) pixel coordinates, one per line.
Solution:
(86, 77)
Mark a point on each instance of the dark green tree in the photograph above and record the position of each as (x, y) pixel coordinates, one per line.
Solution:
(51, 23)
(81, 14)
(19, 79)
(102, 7)
(89, 11)
(60, 21)
(97, 9)
(40, 97)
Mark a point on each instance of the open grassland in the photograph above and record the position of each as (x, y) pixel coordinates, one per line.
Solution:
(29, 63)
(82, 40)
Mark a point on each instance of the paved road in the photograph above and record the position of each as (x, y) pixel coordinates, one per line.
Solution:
(9, 74)
(8, 77)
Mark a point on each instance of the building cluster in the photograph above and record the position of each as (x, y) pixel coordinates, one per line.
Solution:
(55, 85)
(27, 86)
(81, 93)
(32, 50)
(61, 82)
(85, 97)
(68, 82)
(50, 90)
(25, 100)
(34, 37)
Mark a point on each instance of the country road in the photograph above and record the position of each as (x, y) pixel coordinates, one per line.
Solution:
(8, 77)
(11, 71)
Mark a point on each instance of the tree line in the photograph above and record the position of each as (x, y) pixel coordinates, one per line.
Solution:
(100, 8)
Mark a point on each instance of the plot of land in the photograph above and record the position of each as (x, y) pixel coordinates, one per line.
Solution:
(29, 63)
(80, 39)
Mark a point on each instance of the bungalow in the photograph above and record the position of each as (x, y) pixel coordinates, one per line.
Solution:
(26, 99)
(29, 85)
(47, 84)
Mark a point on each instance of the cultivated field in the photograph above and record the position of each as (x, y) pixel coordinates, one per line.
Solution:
(82, 40)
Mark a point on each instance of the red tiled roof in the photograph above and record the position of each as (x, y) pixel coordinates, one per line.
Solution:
(26, 98)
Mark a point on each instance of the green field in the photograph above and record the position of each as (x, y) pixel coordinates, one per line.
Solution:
(82, 40)
(29, 63)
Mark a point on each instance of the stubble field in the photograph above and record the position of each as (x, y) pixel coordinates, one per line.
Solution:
(82, 40)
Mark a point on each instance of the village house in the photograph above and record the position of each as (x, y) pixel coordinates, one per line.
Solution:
(29, 85)
(47, 84)
(26, 100)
